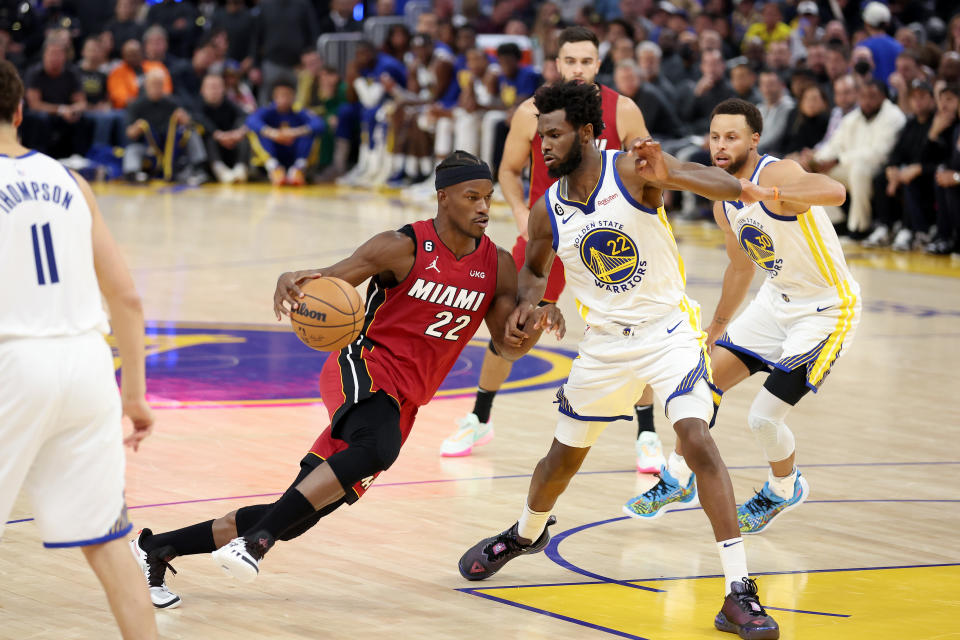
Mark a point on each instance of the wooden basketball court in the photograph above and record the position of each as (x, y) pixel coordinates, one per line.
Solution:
(873, 554)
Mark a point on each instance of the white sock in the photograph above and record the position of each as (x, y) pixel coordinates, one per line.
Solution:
(272, 164)
(783, 487)
(426, 165)
(733, 557)
(396, 162)
(301, 164)
(532, 523)
(678, 468)
(410, 165)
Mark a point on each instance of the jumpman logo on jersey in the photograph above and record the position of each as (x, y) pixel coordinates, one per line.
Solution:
(433, 265)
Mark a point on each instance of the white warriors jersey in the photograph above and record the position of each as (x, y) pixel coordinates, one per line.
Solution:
(800, 254)
(620, 257)
(46, 251)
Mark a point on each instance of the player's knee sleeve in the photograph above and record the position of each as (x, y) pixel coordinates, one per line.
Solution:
(388, 446)
(766, 420)
(248, 516)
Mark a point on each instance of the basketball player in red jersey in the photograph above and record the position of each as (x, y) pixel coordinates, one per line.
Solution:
(432, 283)
(578, 59)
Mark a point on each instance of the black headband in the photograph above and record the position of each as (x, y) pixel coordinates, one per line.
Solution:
(456, 175)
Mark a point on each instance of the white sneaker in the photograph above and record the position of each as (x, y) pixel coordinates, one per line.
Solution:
(239, 173)
(879, 238)
(222, 173)
(903, 241)
(470, 433)
(241, 559)
(160, 595)
(649, 453)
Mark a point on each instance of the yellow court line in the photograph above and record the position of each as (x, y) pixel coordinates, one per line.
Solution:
(854, 604)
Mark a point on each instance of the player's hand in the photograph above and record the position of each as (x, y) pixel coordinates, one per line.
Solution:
(521, 216)
(514, 334)
(550, 320)
(288, 290)
(649, 162)
(750, 192)
(714, 331)
(141, 415)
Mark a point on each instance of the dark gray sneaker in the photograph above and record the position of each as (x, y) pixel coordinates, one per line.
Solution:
(488, 556)
(743, 614)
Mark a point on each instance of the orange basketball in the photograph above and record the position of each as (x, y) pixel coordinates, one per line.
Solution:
(329, 316)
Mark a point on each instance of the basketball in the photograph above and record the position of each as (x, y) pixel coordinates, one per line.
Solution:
(329, 316)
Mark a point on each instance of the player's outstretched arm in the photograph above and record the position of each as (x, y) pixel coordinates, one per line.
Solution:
(516, 154)
(630, 121)
(126, 319)
(526, 320)
(736, 279)
(391, 253)
(662, 170)
(796, 189)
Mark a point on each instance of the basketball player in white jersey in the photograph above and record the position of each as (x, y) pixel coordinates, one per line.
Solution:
(806, 311)
(60, 413)
(578, 59)
(605, 219)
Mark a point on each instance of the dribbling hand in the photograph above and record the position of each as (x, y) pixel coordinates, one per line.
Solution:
(518, 318)
(141, 415)
(288, 290)
(549, 318)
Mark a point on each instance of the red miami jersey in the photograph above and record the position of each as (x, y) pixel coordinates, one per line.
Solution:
(540, 181)
(415, 330)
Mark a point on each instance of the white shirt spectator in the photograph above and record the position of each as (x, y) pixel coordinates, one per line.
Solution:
(862, 141)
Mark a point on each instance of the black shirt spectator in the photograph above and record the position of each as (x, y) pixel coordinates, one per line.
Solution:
(659, 115)
(123, 26)
(238, 22)
(339, 19)
(179, 19)
(703, 95)
(807, 123)
(156, 113)
(283, 30)
(59, 89)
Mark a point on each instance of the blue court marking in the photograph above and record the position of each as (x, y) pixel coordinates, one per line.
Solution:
(551, 614)
(553, 552)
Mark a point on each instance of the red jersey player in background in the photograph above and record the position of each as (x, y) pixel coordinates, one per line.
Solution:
(578, 58)
(431, 285)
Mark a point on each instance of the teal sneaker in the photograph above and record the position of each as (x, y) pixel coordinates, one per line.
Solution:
(664, 496)
(756, 514)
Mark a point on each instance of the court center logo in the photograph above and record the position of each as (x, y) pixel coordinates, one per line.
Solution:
(610, 255)
(209, 365)
(759, 247)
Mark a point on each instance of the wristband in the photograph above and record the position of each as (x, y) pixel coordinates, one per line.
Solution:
(776, 193)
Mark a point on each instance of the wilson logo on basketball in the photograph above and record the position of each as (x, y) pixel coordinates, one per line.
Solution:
(306, 312)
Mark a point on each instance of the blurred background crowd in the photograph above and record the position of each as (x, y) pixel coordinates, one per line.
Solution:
(372, 92)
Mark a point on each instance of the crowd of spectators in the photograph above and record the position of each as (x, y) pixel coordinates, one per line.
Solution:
(232, 90)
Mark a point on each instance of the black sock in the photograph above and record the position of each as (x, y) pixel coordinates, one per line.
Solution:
(291, 508)
(644, 419)
(197, 538)
(481, 408)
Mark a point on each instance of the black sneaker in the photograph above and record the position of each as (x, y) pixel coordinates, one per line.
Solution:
(154, 566)
(488, 556)
(743, 614)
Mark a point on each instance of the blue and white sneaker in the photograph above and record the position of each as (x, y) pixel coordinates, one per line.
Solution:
(664, 496)
(756, 514)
